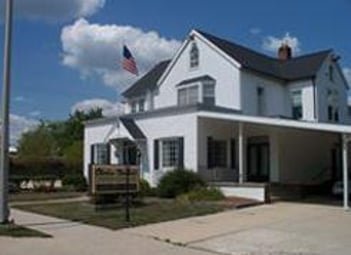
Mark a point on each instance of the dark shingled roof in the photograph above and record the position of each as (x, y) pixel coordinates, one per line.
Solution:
(132, 128)
(294, 69)
(148, 81)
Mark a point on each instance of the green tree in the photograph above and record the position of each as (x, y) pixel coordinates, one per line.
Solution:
(37, 143)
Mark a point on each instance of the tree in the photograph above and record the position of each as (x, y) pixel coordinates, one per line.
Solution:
(37, 143)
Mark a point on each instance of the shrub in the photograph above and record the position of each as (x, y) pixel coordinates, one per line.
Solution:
(76, 182)
(178, 182)
(145, 189)
(205, 194)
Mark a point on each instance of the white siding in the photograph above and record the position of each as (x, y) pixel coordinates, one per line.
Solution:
(324, 84)
(212, 64)
(170, 126)
(275, 95)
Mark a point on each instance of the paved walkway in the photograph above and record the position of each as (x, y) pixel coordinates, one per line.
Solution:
(280, 228)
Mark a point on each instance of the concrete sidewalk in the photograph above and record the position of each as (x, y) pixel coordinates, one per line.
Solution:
(71, 238)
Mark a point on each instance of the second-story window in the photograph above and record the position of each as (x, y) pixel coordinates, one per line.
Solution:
(141, 105)
(260, 101)
(134, 107)
(208, 93)
(194, 56)
(296, 100)
(188, 95)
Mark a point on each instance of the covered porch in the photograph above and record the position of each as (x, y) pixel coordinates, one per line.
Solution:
(247, 152)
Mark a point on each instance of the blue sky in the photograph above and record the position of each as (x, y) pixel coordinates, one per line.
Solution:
(66, 54)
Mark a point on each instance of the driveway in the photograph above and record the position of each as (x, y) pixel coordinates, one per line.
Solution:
(280, 228)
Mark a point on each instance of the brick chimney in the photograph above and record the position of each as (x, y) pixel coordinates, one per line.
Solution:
(284, 52)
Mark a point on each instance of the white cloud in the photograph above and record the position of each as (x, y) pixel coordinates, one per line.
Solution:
(19, 99)
(272, 44)
(108, 108)
(19, 125)
(347, 73)
(35, 113)
(54, 10)
(255, 30)
(96, 49)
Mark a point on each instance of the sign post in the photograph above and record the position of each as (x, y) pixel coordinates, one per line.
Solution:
(4, 161)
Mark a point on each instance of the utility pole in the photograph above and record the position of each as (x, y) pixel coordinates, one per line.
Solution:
(4, 160)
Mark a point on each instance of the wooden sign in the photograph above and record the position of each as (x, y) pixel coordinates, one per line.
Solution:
(112, 179)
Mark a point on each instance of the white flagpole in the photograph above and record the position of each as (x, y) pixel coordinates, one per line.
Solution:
(4, 160)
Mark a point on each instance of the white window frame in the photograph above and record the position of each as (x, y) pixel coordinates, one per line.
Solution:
(213, 95)
(194, 63)
(162, 161)
(100, 153)
(187, 95)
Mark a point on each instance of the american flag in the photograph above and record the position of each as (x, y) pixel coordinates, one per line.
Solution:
(128, 62)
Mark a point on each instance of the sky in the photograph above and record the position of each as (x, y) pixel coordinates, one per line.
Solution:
(66, 54)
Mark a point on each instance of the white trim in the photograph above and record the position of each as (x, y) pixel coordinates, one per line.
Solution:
(326, 127)
(185, 44)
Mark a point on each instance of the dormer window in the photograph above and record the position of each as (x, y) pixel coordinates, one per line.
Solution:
(194, 56)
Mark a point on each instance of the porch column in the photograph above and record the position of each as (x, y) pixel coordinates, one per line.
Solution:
(241, 151)
(345, 170)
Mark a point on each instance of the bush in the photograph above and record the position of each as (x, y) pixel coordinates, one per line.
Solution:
(145, 189)
(178, 182)
(75, 182)
(205, 194)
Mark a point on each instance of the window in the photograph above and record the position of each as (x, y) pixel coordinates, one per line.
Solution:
(260, 100)
(216, 153)
(189, 95)
(100, 154)
(134, 107)
(170, 152)
(331, 73)
(209, 93)
(333, 111)
(297, 104)
(141, 105)
(330, 113)
(194, 56)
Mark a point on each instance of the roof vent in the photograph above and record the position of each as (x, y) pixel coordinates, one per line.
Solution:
(284, 52)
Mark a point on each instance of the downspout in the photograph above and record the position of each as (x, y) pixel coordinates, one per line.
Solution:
(315, 103)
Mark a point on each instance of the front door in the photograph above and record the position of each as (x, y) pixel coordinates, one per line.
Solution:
(258, 160)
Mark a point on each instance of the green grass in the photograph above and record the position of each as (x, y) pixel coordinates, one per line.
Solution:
(12, 230)
(114, 218)
(41, 196)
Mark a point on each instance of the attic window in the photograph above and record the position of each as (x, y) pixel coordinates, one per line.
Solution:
(194, 56)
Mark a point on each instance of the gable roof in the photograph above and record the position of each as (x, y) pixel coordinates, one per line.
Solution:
(296, 68)
(147, 82)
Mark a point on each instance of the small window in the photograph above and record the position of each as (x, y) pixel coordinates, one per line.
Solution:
(336, 115)
(189, 95)
(100, 153)
(209, 93)
(331, 73)
(194, 56)
(141, 105)
(170, 152)
(134, 107)
(297, 109)
(260, 101)
(330, 113)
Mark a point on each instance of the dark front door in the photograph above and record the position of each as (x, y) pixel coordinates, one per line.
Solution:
(258, 161)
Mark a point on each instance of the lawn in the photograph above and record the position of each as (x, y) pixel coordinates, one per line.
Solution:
(149, 211)
(12, 230)
(41, 196)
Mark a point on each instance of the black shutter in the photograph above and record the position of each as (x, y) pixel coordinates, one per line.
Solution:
(209, 152)
(92, 154)
(181, 153)
(232, 153)
(156, 154)
(108, 158)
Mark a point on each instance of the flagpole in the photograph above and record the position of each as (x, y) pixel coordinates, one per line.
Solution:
(4, 160)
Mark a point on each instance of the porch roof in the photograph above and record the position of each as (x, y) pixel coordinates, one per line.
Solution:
(269, 121)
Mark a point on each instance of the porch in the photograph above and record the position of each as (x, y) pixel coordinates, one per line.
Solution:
(238, 151)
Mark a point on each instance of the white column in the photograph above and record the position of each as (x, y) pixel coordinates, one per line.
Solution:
(345, 171)
(241, 151)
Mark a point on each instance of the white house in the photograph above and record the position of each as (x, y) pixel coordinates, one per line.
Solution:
(233, 115)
